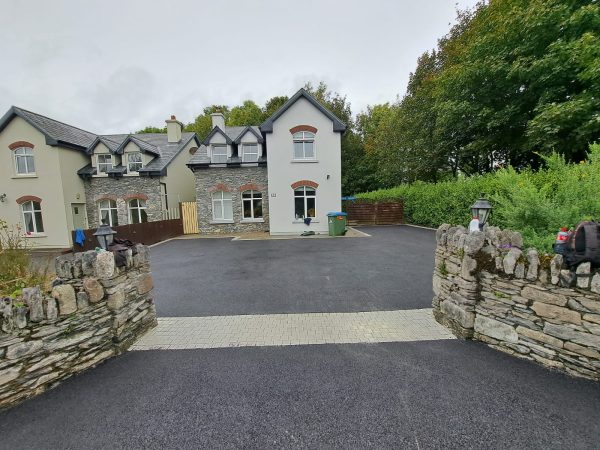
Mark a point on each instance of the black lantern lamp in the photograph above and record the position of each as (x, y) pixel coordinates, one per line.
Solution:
(104, 234)
(481, 209)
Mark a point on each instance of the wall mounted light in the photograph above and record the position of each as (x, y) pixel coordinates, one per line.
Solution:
(2, 198)
(481, 209)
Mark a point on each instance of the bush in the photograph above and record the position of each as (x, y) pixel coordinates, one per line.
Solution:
(15, 263)
(535, 203)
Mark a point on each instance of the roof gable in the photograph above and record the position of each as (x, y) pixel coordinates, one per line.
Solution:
(56, 133)
(248, 129)
(267, 126)
(214, 131)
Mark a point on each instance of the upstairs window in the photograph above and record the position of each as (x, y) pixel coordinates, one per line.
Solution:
(305, 199)
(219, 154)
(304, 145)
(108, 212)
(249, 152)
(104, 163)
(137, 211)
(222, 205)
(24, 163)
(134, 162)
(32, 217)
(252, 205)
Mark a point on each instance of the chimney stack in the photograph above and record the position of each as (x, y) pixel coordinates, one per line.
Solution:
(174, 129)
(218, 120)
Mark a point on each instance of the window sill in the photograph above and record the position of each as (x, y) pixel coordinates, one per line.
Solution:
(252, 220)
(250, 163)
(302, 221)
(216, 222)
(304, 161)
(34, 235)
(29, 175)
(100, 175)
(131, 174)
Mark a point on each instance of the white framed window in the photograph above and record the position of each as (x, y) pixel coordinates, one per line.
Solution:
(222, 205)
(305, 202)
(24, 163)
(32, 217)
(249, 152)
(219, 154)
(304, 145)
(252, 205)
(108, 212)
(134, 162)
(104, 163)
(137, 211)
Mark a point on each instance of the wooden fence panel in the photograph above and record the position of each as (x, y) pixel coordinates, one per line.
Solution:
(375, 213)
(189, 215)
(146, 233)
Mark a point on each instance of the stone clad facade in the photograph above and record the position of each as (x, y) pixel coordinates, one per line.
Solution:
(234, 180)
(95, 311)
(489, 289)
(122, 190)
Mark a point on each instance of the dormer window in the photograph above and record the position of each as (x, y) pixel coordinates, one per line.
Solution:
(249, 153)
(134, 162)
(219, 154)
(304, 145)
(104, 163)
(24, 163)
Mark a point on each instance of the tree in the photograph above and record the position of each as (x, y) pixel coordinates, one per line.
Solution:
(249, 113)
(272, 105)
(151, 129)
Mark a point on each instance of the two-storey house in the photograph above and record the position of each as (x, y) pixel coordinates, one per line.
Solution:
(284, 176)
(56, 177)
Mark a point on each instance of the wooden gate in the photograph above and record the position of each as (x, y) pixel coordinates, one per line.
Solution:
(189, 215)
(375, 213)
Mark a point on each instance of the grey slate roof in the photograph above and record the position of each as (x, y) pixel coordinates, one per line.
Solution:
(267, 126)
(57, 133)
(233, 134)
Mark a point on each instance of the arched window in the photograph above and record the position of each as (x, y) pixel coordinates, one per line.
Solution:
(222, 205)
(32, 217)
(252, 205)
(137, 211)
(24, 163)
(305, 199)
(304, 145)
(108, 212)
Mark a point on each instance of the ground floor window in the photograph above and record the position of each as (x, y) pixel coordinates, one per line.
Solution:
(32, 217)
(305, 202)
(252, 205)
(108, 212)
(222, 205)
(137, 211)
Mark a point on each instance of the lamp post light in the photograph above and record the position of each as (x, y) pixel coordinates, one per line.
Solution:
(105, 235)
(481, 209)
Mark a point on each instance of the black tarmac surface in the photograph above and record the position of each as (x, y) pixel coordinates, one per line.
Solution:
(442, 394)
(207, 277)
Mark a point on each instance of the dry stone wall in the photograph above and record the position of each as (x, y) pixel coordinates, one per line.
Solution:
(95, 311)
(488, 288)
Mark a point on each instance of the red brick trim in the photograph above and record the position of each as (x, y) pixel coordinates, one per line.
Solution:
(28, 198)
(219, 187)
(193, 150)
(106, 197)
(250, 187)
(138, 196)
(300, 183)
(19, 144)
(303, 128)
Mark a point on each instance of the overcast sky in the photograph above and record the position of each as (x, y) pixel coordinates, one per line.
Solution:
(116, 66)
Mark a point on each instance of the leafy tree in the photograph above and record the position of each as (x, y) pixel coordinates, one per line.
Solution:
(249, 113)
(272, 105)
(151, 129)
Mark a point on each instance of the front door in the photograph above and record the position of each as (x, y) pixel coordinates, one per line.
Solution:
(78, 212)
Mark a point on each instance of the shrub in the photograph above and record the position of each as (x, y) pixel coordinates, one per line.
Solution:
(535, 203)
(15, 263)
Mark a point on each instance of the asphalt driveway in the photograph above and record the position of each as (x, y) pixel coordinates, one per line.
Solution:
(420, 395)
(390, 270)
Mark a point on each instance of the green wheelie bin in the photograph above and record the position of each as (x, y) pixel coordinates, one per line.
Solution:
(337, 223)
